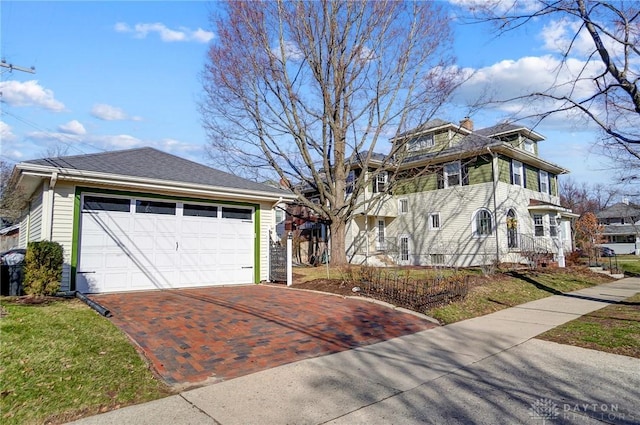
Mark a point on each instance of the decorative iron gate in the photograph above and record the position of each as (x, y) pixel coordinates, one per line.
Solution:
(277, 262)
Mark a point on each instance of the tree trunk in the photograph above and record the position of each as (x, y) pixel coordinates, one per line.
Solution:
(338, 250)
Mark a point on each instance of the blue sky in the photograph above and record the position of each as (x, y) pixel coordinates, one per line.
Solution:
(117, 75)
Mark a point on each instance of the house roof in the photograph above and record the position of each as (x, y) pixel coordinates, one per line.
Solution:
(505, 128)
(148, 163)
(620, 210)
(428, 126)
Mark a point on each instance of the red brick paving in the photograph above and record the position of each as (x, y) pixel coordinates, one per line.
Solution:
(190, 335)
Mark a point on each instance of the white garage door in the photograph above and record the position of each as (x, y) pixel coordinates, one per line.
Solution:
(135, 244)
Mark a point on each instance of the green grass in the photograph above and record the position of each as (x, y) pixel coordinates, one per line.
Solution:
(61, 360)
(507, 290)
(629, 263)
(614, 329)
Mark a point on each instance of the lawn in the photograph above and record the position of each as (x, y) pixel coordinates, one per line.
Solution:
(629, 263)
(614, 329)
(510, 289)
(60, 361)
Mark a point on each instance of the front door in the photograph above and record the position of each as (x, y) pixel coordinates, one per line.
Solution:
(404, 250)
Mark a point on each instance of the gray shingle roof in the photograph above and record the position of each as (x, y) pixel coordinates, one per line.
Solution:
(620, 210)
(498, 129)
(154, 164)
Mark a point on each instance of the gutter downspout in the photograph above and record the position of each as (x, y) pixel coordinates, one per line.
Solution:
(494, 174)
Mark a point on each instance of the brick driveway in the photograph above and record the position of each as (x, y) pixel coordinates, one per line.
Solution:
(214, 334)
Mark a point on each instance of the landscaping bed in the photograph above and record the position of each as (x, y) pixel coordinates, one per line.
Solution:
(486, 293)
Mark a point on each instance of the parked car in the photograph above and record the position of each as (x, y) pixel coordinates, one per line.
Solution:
(607, 252)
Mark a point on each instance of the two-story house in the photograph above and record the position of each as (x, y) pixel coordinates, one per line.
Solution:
(463, 197)
(621, 227)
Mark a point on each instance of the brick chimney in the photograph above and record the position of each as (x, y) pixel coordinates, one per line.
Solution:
(467, 124)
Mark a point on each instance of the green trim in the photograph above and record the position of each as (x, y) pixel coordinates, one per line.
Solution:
(74, 239)
(77, 210)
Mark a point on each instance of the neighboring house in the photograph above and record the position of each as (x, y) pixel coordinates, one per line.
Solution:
(459, 197)
(9, 237)
(143, 219)
(621, 223)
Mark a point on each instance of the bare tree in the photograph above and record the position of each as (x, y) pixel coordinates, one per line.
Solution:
(12, 198)
(307, 89)
(584, 197)
(604, 89)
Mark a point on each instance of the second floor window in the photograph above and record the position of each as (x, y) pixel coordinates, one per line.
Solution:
(380, 183)
(517, 173)
(452, 174)
(544, 182)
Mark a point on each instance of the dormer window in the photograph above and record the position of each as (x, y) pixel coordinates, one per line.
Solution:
(529, 146)
(421, 142)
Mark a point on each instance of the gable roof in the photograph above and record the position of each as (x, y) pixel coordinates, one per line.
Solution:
(152, 164)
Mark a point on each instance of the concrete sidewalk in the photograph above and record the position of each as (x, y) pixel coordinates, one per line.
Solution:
(482, 370)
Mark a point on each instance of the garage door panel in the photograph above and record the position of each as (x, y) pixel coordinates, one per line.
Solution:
(138, 251)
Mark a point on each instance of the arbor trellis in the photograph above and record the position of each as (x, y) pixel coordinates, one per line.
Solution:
(303, 90)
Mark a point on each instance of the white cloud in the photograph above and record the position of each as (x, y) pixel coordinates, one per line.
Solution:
(29, 93)
(6, 134)
(72, 127)
(141, 30)
(290, 50)
(106, 112)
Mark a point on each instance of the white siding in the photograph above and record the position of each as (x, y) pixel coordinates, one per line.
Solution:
(24, 231)
(35, 220)
(63, 203)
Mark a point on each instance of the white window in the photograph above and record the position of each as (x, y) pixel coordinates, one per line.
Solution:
(517, 173)
(279, 215)
(482, 223)
(421, 142)
(434, 221)
(380, 182)
(538, 225)
(452, 174)
(529, 146)
(404, 248)
(403, 205)
(544, 181)
(553, 226)
(381, 231)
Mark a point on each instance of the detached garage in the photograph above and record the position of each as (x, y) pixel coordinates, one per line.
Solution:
(143, 219)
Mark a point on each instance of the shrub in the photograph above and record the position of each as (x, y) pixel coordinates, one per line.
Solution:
(43, 268)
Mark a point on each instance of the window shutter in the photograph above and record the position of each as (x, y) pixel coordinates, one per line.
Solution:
(511, 171)
(465, 174)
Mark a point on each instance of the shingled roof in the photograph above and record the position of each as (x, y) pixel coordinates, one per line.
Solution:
(153, 164)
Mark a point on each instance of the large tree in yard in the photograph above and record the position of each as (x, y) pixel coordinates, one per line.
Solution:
(598, 66)
(304, 90)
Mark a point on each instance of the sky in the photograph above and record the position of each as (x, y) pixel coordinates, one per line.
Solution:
(121, 74)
